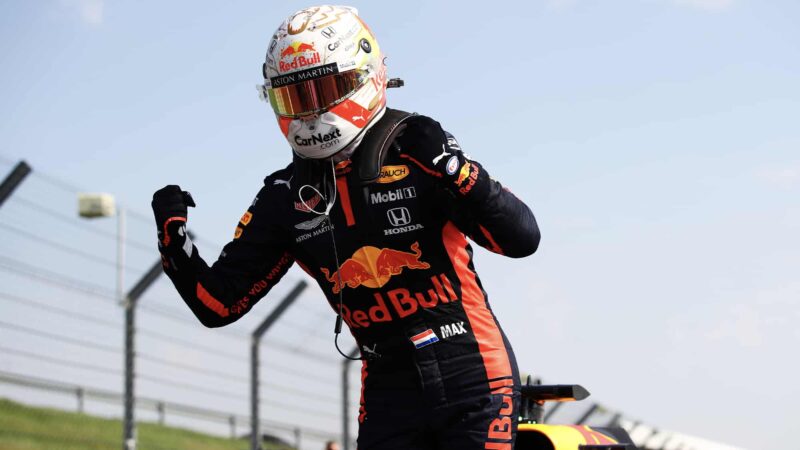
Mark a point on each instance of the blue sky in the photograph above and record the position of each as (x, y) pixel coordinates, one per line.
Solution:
(657, 141)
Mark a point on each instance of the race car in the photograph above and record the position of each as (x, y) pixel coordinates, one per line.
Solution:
(533, 434)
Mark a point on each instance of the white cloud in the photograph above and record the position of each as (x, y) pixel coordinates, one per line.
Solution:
(90, 11)
(561, 4)
(575, 222)
(743, 324)
(785, 176)
(769, 315)
(553, 317)
(708, 5)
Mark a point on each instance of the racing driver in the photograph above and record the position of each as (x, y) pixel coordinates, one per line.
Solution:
(376, 207)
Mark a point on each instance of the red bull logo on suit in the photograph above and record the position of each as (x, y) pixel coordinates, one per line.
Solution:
(373, 267)
(400, 303)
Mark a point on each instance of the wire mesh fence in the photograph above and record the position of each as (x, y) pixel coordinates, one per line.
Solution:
(61, 322)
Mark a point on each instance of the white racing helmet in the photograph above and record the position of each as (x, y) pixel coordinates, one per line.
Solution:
(325, 80)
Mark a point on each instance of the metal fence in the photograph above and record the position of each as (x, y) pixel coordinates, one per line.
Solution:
(61, 319)
(237, 424)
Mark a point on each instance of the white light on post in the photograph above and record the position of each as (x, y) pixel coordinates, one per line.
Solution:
(92, 206)
(96, 205)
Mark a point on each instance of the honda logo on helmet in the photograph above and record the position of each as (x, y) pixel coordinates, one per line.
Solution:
(399, 217)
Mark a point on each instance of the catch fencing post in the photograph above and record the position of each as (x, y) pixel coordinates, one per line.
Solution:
(13, 180)
(614, 422)
(129, 425)
(161, 412)
(81, 394)
(552, 410)
(254, 432)
(346, 399)
(589, 413)
(259, 332)
(653, 433)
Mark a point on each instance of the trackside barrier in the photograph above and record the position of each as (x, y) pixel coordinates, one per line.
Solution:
(82, 394)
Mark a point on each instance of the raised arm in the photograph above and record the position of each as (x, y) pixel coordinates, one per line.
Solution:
(248, 267)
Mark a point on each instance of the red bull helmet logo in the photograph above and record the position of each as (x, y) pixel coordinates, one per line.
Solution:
(298, 55)
(373, 267)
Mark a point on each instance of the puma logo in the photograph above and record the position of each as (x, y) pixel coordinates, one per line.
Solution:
(288, 182)
(370, 352)
(439, 158)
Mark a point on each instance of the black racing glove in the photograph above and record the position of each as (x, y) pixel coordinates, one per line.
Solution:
(170, 207)
(438, 154)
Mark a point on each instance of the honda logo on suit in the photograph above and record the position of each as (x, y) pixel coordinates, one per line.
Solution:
(399, 217)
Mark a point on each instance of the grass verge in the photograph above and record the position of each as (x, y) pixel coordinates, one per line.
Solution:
(25, 427)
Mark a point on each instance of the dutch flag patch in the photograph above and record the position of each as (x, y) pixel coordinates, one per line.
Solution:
(427, 337)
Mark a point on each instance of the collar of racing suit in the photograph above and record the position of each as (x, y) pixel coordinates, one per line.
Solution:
(376, 144)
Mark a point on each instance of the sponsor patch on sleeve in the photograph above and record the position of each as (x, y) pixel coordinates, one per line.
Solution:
(452, 165)
(238, 233)
(463, 174)
(452, 143)
(246, 218)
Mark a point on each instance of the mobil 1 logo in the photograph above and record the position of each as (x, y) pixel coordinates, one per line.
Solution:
(393, 195)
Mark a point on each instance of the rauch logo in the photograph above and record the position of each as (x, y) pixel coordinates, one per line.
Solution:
(390, 174)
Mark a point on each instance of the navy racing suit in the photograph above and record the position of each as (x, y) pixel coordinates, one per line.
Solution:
(438, 371)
